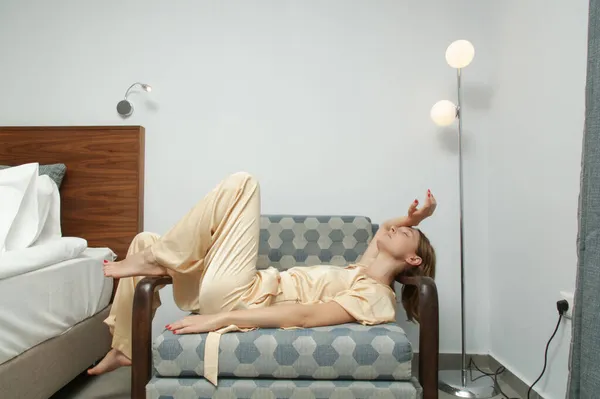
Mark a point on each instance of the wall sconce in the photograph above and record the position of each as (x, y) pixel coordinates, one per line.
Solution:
(125, 107)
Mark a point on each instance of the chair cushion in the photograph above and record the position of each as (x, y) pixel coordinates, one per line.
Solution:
(294, 240)
(191, 388)
(346, 351)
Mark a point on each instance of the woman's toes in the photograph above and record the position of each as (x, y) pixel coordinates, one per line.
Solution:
(109, 271)
(112, 361)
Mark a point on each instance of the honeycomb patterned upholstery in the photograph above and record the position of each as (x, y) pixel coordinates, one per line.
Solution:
(347, 351)
(189, 388)
(346, 361)
(292, 240)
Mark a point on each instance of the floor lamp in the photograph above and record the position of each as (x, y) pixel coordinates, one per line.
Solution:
(464, 383)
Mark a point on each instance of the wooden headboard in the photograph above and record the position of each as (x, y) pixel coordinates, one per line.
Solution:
(102, 194)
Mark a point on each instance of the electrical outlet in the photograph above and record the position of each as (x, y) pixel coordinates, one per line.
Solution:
(568, 296)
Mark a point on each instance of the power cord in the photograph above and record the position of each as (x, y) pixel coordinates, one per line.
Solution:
(562, 306)
(494, 376)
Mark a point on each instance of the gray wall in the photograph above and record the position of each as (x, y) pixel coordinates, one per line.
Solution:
(534, 164)
(327, 103)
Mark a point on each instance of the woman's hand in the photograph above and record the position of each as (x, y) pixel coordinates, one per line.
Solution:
(416, 215)
(196, 324)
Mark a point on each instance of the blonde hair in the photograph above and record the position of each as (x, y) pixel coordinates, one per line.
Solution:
(410, 293)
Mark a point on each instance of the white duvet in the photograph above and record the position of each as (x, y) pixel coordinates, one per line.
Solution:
(30, 233)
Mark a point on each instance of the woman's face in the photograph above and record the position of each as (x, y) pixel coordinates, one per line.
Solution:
(400, 242)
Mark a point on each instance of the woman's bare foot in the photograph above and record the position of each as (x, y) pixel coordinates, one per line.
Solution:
(112, 361)
(139, 264)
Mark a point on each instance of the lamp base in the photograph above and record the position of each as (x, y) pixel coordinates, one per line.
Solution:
(478, 385)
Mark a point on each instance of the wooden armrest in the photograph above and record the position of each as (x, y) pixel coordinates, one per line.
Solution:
(141, 369)
(429, 333)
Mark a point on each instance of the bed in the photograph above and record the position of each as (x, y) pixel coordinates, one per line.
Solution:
(51, 326)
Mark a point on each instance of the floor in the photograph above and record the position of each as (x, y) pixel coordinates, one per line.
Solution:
(505, 388)
(115, 385)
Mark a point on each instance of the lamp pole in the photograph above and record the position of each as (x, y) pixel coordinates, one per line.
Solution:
(461, 230)
(463, 383)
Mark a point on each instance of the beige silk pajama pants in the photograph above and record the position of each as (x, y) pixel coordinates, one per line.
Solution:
(210, 254)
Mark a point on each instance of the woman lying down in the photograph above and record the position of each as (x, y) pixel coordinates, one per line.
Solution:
(211, 255)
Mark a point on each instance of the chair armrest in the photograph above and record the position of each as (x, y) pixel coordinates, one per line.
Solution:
(429, 333)
(141, 369)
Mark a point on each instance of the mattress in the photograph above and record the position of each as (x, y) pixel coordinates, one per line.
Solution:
(45, 303)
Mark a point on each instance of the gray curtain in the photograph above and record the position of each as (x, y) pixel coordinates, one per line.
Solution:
(584, 376)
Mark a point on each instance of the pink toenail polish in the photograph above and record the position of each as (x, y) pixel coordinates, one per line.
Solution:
(105, 261)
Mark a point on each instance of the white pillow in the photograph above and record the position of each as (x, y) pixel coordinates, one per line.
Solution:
(51, 252)
(48, 210)
(29, 208)
(18, 206)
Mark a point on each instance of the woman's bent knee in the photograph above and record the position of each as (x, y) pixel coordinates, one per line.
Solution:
(143, 240)
(240, 178)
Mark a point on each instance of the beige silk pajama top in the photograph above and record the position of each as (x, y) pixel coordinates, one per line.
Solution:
(365, 299)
